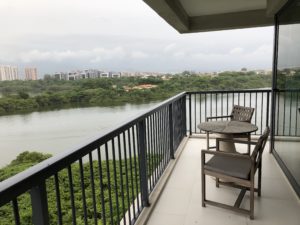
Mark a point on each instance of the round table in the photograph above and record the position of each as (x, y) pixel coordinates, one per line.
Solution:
(227, 129)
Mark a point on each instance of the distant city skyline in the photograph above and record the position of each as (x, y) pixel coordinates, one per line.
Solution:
(120, 35)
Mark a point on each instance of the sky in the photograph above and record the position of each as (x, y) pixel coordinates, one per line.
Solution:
(118, 35)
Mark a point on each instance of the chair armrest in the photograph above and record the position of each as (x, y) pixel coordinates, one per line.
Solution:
(235, 141)
(226, 154)
(217, 117)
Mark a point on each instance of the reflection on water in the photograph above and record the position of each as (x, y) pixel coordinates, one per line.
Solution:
(56, 131)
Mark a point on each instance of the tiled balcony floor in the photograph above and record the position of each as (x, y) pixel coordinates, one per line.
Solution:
(180, 202)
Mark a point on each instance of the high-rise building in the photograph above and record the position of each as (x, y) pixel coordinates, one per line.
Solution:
(8, 72)
(30, 73)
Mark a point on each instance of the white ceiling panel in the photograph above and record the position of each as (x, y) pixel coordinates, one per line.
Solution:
(211, 7)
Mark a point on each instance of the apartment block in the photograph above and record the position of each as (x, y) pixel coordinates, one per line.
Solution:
(30, 73)
(8, 72)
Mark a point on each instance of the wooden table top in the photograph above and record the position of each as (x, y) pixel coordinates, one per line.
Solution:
(227, 127)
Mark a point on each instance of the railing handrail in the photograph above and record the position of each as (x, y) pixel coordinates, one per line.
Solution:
(231, 91)
(21, 182)
(287, 90)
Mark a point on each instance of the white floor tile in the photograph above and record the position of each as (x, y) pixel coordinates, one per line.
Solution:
(180, 202)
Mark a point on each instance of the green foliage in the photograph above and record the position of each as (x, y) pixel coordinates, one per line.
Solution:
(23, 95)
(122, 172)
(29, 157)
(28, 96)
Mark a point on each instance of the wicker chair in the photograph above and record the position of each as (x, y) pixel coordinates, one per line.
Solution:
(238, 113)
(238, 170)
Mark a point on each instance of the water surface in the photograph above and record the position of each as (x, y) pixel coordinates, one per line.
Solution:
(57, 131)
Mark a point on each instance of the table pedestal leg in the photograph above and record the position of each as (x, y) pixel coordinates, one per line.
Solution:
(207, 140)
(226, 146)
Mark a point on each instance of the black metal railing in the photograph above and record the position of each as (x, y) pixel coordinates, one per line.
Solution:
(219, 103)
(106, 181)
(286, 116)
(109, 179)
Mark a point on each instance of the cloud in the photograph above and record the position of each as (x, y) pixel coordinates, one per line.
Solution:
(179, 54)
(169, 47)
(138, 55)
(236, 51)
(102, 54)
(265, 49)
(93, 55)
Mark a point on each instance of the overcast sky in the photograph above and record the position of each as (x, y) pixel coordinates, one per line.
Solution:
(119, 35)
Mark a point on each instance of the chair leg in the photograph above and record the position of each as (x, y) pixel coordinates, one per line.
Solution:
(217, 182)
(259, 180)
(252, 200)
(203, 188)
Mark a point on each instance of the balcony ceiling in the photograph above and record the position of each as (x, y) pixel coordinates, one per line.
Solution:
(188, 16)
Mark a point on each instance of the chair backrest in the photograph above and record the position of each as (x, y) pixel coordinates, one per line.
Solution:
(260, 146)
(241, 113)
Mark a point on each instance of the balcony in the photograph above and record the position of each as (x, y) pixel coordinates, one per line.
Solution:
(180, 200)
(113, 178)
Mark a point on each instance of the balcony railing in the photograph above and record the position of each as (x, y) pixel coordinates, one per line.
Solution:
(219, 103)
(286, 116)
(109, 179)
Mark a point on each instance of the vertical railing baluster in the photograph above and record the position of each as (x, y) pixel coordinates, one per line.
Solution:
(297, 99)
(205, 106)
(58, 202)
(108, 182)
(277, 127)
(261, 113)
(184, 114)
(171, 131)
(210, 104)
(200, 106)
(195, 113)
(136, 169)
(39, 204)
(92, 180)
(164, 139)
(290, 122)
(121, 179)
(115, 178)
(16, 211)
(72, 194)
(166, 136)
(83, 191)
(153, 150)
(131, 172)
(222, 99)
(216, 104)
(227, 104)
(155, 121)
(103, 217)
(160, 145)
(233, 99)
(143, 163)
(126, 176)
(149, 154)
(268, 108)
(284, 118)
(256, 109)
(190, 113)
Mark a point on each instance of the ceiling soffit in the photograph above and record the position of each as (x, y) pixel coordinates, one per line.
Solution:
(188, 16)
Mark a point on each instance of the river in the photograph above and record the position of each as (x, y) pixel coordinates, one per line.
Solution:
(55, 131)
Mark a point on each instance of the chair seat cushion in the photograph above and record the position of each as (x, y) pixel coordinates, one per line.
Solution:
(235, 167)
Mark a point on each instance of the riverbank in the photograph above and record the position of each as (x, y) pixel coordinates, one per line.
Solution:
(42, 95)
